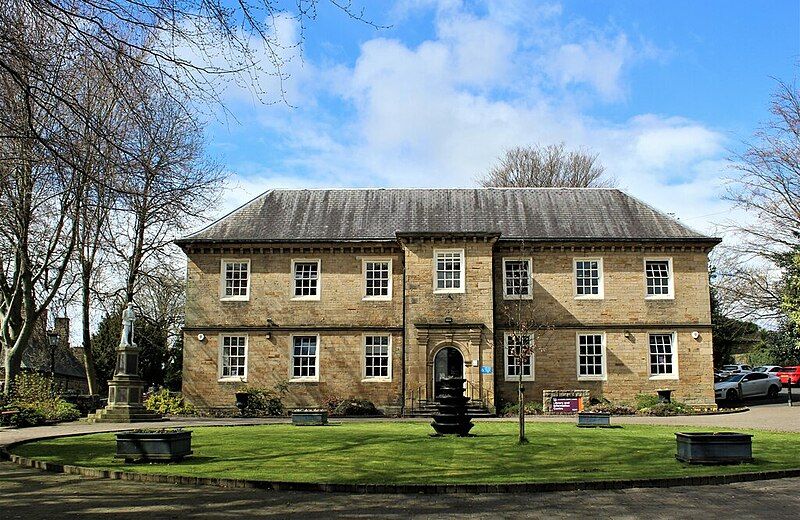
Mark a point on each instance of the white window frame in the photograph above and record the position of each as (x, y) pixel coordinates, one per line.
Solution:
(375, 379)
(304, 379)
(670, 285)
(237, 379)
(508, 376)
(462, 272)
(315, 297)
(528, 296)
(603, 356)
(364, 262)
(674, 374)
(222, 279)
(600, 283)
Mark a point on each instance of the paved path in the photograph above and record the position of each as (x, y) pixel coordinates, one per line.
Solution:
(31, 494)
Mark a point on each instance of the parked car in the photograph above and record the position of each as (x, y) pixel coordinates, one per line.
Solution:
(729, 370)
(789, 375)
(769, 369)
(751, 384)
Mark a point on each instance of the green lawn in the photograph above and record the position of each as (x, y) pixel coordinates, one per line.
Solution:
(402, 452)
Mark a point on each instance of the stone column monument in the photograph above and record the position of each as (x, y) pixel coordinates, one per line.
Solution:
(125, 389)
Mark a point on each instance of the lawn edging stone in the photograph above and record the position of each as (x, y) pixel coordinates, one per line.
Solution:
(429, 489)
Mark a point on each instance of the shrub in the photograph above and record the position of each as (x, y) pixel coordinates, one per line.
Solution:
(665, 409)
(169, 403)
(352, 406)
(27, 416)
(34, 396)
(531, 408)
(612, 408)
(646, 401)
(263, 402)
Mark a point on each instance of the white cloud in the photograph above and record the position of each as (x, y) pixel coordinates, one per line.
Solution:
(440, 112)
(596, 62)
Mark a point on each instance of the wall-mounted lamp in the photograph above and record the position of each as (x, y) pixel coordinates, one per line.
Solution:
(201, 337)
(628, 335)
(268, 335)
(695, 334)
(448, 320)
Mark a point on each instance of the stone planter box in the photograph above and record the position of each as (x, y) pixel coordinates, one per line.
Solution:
(714, 448)
(310, 418)
(154, 445)
(594, 420)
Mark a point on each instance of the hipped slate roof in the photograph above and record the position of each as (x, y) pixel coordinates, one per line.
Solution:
(535, 214)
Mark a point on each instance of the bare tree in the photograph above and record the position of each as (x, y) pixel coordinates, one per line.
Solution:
(530, 331)
(547, 167)
(166, 185)
(768, 189)
(40, 187)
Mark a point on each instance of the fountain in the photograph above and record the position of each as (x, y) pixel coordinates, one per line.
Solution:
(451, 416)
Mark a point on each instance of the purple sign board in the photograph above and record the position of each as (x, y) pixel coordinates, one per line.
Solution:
(566, 404)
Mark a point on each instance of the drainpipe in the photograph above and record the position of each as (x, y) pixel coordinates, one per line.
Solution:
(403, 358)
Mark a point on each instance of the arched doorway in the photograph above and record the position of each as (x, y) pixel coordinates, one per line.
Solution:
(448, 362)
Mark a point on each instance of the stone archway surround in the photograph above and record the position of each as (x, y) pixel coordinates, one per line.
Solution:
(470, 341)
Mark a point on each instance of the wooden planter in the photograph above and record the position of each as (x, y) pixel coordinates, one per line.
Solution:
(594, 420)
(153, 446)
(714, 448)
(311, 418)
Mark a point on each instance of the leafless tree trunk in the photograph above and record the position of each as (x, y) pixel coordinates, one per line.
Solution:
(547, 167)
(40, 188)
(530, 330)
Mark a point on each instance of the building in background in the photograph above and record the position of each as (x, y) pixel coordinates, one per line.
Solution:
(379, 293)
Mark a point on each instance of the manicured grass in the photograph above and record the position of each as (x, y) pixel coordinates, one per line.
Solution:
(402, 452)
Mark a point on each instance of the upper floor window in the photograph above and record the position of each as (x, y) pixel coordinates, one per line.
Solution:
(517, 280)
(306, 279)
(378, 357)
(448, 271)
(377, 279)
(663, 356)
(519, 357)
(305, 358)
(588, 278)
(233, 357)
(658, 273)
(235, 280)
(591, 354)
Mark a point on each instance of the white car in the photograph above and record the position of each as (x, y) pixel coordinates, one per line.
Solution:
(751, 384)
(768, 369)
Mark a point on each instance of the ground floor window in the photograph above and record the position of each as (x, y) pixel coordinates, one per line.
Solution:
(590, 356)
(662, 355)
(516, 345)
(233, 357)
(305, 358)
(377, 357)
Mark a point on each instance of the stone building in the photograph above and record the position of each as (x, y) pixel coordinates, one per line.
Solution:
(379, 293)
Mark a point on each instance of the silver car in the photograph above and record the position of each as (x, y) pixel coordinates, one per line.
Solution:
(769, 369)
(752, 384)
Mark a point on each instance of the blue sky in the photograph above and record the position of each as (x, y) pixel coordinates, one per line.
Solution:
(662, 91)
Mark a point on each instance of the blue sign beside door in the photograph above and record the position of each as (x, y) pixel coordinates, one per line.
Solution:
(486, 369)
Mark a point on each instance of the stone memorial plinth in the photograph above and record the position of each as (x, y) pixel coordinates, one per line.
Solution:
(126, 388)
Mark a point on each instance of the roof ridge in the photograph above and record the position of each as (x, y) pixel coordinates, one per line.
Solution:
(402, 188)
